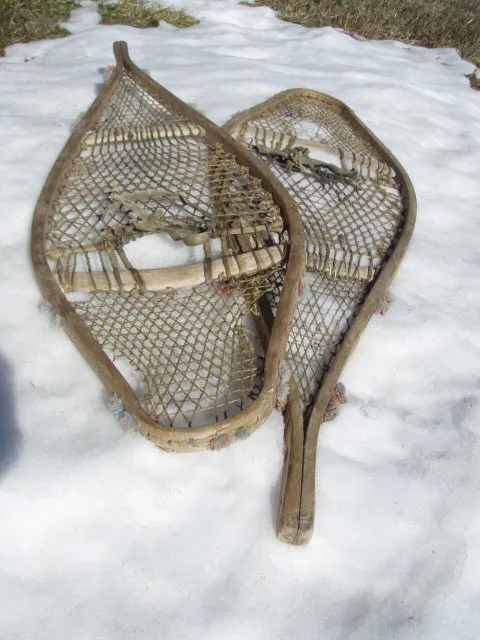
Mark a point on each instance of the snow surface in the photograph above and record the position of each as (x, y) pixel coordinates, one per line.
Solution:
(104, 536)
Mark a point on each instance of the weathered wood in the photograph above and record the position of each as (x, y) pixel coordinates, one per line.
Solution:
(281, 142)
(169, 438)
(297, 501)
(179, 277)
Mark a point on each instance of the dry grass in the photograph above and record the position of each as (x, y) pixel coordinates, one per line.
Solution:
(27, 20)
(143, 14)
(474, 78)
(428, 23)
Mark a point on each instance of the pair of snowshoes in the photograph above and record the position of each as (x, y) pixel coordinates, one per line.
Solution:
(285, 227)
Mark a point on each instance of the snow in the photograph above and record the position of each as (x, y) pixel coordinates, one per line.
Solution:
(104, 536)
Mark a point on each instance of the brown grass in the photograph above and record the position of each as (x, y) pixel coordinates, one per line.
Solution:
(474, 78)
(143, 14)
(428, 23)
(27, 20)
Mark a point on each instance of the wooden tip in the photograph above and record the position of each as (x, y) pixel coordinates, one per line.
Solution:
(287, 530)
(305, 528)
(120, 51)
(295, 529)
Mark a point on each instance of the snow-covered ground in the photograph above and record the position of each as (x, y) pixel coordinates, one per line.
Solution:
(102, 535)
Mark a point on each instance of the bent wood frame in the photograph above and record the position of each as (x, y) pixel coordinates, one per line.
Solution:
(296, 511)
(169, 438)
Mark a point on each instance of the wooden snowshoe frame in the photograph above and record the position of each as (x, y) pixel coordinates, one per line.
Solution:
(358, 208)
(126, 172)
